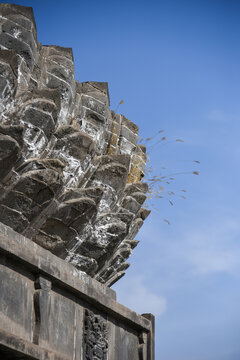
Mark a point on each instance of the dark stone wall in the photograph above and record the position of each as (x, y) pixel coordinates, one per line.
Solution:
(50, 310)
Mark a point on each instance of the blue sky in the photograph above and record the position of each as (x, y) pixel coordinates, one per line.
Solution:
(175, 63)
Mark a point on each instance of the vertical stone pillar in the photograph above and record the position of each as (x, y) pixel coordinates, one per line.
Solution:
(150, 337)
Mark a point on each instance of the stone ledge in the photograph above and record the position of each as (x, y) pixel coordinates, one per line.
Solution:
(64, 274)
(22, 349)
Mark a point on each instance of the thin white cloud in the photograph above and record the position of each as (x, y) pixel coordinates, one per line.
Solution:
(221, 116)
(216, 249)
(213, 248)
(218, 115)
(209, 261)
(202, 248)
(136, 295)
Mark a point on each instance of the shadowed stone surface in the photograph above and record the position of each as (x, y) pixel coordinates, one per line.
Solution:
(70, 168)
(49, 310)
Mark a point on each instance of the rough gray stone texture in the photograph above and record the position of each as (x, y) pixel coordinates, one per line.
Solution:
(70, 169)
(49, 310)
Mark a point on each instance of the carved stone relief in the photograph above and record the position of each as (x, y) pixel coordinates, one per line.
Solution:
(95, 337)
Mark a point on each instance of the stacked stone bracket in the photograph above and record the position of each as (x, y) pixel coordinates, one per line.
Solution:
(70, 168)
(49, 310)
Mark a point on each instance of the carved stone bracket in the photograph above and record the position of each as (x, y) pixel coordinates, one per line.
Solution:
(142, 350)
(42, 303)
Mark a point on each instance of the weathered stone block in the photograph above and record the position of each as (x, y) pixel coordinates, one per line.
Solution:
(51, 311)
(70, 168)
